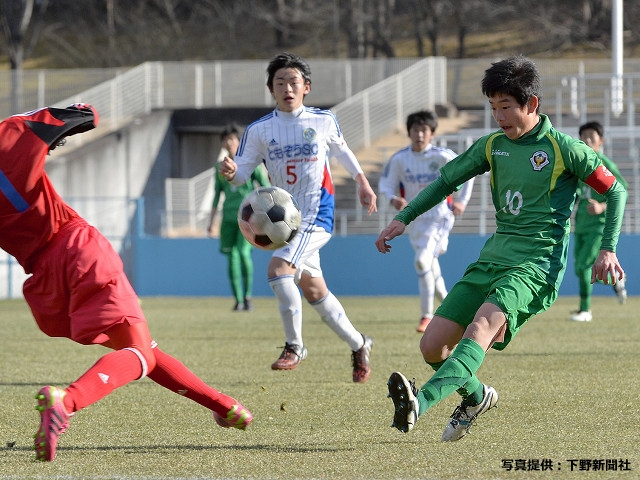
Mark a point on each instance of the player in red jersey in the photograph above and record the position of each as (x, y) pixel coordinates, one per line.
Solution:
(78, 288)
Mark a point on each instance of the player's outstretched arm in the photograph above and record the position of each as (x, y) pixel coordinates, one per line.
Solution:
(394, 229)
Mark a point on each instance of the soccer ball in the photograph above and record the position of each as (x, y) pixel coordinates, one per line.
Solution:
(269, 217)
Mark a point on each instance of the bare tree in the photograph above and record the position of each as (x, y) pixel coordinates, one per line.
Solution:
(631, 18)
(381, 32)
(473, 15)
(110, 33)
(419, 14)
(231, 16)
(290, 23)
(356, 29)
(285, 17)
(16, 17)
(429, 15)
(563, 25)
(596, 17)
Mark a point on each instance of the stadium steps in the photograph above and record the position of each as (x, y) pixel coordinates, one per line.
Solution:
(372, 159)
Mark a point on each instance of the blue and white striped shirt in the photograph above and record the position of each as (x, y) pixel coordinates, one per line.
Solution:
(296, 148)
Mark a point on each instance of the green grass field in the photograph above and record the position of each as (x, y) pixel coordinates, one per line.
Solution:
(568, 391)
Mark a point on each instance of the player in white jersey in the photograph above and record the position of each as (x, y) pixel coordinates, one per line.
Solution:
(295, 143)
(409, 171)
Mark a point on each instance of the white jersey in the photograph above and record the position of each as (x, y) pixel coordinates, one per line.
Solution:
(296, 148)
(407, 173)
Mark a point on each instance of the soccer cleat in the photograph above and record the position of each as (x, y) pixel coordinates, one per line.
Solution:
(582, 316)
(360, 360)
(621, 291)
(405, 401)
(54, 421)
(464, 417)
(422, 326)
(248, 306)
(290, 357)
(238, 307)
(238, 417)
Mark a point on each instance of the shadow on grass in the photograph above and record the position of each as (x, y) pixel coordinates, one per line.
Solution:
(160, 448)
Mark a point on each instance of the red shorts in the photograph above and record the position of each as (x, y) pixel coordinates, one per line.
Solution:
(78, 288)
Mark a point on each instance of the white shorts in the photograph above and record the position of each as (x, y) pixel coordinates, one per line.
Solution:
(304, 250)
(426, 233)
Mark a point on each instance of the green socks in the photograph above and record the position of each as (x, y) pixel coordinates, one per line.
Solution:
(586, 288)
(457, 373)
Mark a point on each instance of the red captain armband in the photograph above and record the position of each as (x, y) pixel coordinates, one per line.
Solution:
(601, 179)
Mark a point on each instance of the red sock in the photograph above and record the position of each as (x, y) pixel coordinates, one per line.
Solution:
(111, 371)
(175, 376)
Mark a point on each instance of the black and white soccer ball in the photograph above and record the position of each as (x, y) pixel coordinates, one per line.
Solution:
(269, 217)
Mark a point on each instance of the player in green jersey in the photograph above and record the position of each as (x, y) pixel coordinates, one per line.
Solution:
(534, 173)
(589, 223)
(232, 243)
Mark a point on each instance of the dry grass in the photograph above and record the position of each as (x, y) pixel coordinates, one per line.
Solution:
(567, 391)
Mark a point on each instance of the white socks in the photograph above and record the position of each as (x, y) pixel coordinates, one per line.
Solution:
(329, 308)
(440, 288)
(331, 311)
(290, 305)
(431, 283)
(426, 287)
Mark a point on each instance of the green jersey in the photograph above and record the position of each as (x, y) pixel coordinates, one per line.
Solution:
(533, 187)
(233, 195)
(584, 221)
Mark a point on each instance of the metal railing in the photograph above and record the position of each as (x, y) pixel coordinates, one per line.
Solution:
(379, 109)
(123, 94)
(573, 92)
(622, 145)
(364, 117)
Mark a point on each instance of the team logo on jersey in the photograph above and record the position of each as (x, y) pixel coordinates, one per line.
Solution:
(539, 160)
(309, 134)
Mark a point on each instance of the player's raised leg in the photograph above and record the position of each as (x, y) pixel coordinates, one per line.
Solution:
(110, 372)
(403, 393)
(175, 376)
(333, 314)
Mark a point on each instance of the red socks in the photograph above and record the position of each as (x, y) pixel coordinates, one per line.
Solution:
(175, 376)
(111, 371)
(120, 367)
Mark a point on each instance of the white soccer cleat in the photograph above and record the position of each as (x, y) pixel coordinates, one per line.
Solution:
(463, 417)
(582, 316)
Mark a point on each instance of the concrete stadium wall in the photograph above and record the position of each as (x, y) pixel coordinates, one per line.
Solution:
(351, 265)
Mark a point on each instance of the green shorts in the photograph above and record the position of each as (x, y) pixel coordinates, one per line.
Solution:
(231, 237)
(586, 247)
(519, 291)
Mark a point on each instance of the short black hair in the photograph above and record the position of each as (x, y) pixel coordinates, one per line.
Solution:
(287, 60)
(229, 130)
(597, 126)
(423, 117)
(516, 76)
